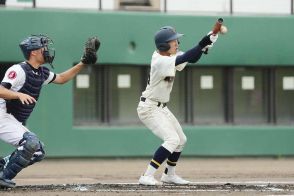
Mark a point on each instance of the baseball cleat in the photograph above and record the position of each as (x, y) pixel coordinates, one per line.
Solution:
(6, 183)
(149, 180)
(174, 179)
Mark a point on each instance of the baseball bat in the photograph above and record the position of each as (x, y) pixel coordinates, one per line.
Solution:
(216, 28)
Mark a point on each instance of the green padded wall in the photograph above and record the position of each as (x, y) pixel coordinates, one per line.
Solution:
(251, 41)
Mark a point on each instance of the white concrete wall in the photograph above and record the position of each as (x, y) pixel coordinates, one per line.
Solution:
(68, 4)
(198, 6)
(15, 3)
(239, 6)
(181, 6)
(262, 6)
(108, 4)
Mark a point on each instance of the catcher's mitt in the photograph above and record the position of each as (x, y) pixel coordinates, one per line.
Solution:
(91, 47)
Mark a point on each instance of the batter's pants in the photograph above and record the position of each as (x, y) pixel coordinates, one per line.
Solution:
(163, 124)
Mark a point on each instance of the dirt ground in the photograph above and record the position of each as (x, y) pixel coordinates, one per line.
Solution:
(210, 176)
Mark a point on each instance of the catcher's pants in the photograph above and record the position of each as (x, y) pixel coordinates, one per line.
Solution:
(163, 124)
(11, 130)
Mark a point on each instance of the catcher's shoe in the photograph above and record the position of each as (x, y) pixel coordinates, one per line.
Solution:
(173, 179)
(6, 183)
(149, 180)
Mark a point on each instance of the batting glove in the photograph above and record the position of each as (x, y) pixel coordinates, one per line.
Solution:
(212, 37)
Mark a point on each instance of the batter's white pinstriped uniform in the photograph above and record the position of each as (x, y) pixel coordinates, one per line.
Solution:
(152, 110)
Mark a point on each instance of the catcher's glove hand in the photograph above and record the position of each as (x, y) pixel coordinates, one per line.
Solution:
(91, 47)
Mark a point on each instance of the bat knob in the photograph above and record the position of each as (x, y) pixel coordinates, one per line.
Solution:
(220, 20)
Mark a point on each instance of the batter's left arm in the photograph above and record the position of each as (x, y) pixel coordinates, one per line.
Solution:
(191, 56)
(194, 54)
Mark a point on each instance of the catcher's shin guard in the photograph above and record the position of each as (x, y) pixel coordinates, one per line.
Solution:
(39, 155)
(22, 156)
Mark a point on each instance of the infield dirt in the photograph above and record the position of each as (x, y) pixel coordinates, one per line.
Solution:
(210, 176)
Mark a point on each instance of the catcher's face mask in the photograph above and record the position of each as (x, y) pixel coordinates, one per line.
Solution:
(49, 51)
(35, 42)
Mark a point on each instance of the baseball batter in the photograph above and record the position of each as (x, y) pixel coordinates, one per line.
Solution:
(152, 109)
(19, 92)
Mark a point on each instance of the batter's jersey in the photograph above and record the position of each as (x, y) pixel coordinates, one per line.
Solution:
(24, 78)
(161, 78)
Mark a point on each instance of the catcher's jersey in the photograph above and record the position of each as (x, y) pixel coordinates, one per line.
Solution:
(16, 76)
(161, 78)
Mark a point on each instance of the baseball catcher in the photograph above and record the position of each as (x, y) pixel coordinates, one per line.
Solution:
(19, 92)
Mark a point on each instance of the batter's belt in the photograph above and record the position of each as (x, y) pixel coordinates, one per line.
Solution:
(144, 99)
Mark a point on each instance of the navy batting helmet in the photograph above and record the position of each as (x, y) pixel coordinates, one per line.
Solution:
(164, 35)
(35, 42)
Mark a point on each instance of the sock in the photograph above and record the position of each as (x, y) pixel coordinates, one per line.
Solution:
(150, 171)
(159, 156)
(171, 163)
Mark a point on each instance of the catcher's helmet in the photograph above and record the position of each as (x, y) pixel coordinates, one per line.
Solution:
(35, 42)
(164, 35)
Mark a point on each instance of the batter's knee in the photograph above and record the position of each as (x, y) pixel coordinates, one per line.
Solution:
(181, 146)
(171, 143)
(183, 140)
